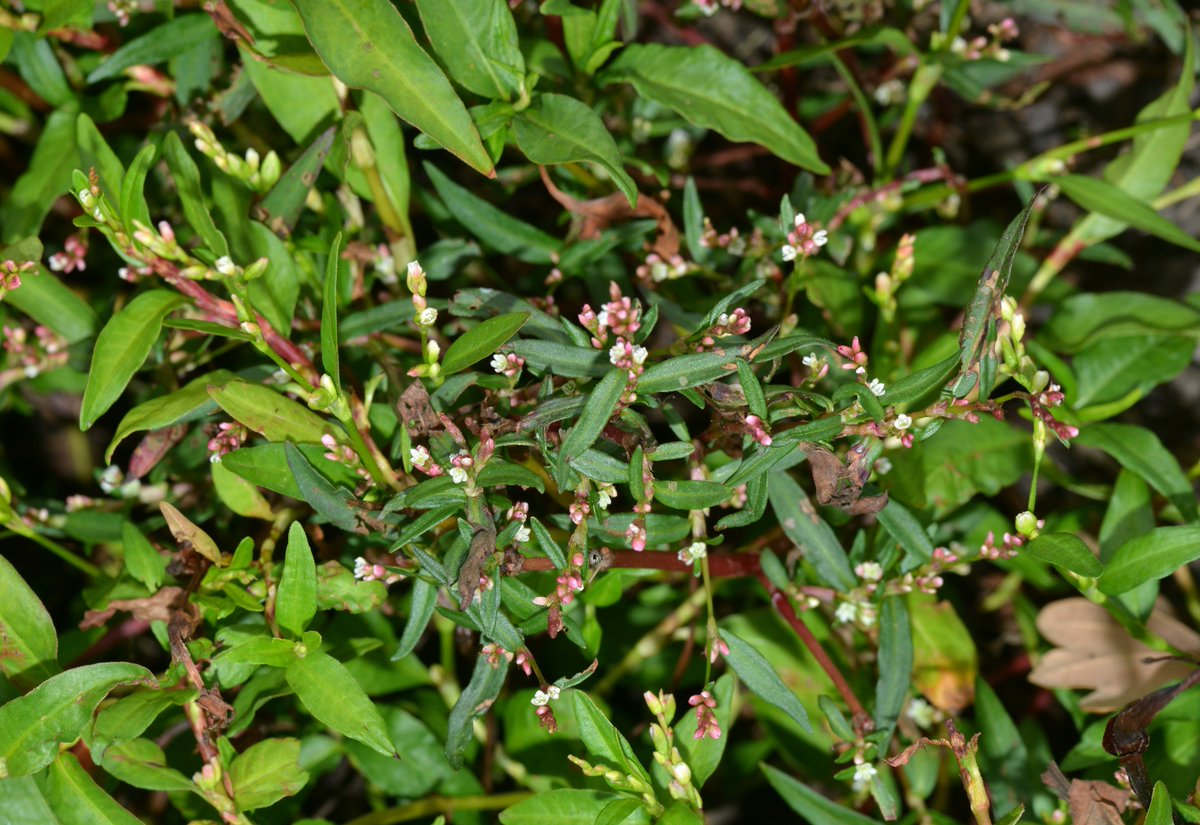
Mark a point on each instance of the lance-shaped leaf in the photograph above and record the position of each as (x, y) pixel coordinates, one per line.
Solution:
(757, 674)
(76, 799)
(595, 416)
(477, 41)
(804, 526)
(30, 645)
(281, 208)
(185, 531)
(475, 700)
(189, 402)
(296, 597)
(329, 501)
(481, 340)
(329, 314)
(368, 45)
(330, 693)
(269, 413)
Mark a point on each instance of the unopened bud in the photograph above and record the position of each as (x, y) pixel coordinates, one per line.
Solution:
(256, 269)
(270, 171)
(1027, 524)
(682, 773)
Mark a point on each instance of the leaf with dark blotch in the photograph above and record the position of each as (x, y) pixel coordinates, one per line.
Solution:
(483, 544)
(1096, 803)
(841, 484)
(281, 208)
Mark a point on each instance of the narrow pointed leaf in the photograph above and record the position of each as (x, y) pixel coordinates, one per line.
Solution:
(296, 598)
(481, 341)
(330, 693)
(757, 674)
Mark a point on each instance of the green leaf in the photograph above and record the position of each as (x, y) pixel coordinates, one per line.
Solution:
(561, 806)
(895, 666)
(121, 348)
(30, 644)
(266, 465)
(368, 45)
(329, 501)
(1088, 317)
(1003, 757)
(158, 45)
(477, 42)
(905, 528)
(424, 599)
(547, 544)
(48, 175)
(1065, 550)
(57, 711)
(920, 383)
(497, 473)
(328, 691)
(142, 764)
(802, 524)
(281, 207)
(1101, 197)
(133, 199)
(329, 314)
(95, 153)
(296, 598)
(269, 413)
(481, 341)
(1140, 450)
(39, 67)
(602, 403)
(1151, 556)
(477, 697)
(684, 371)
(238, 494)
(141, 559)
(691, 495)
(191, 194)
(495, 227)
(717, 92)
(21, 798)
(565, 360)
(557, 129)
(76, 798)
(812, 806)
(601, 738)
(266, 772)
(757, 674)
(48, 301)
(1160, 806)
(1109, 369)
(128, 717)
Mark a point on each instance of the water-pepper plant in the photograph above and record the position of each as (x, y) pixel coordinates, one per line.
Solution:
(596, 412)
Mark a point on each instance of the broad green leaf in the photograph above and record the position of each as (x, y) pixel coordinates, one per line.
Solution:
(121, 348)
(1088, 317)
(329, 314)
(30, 644)
(48, 300)
(76, 799)
(185, 531)
(368, 45)
(21, 798)
(547, 544)
(920, 383)
(757, 674)
(691, 495)
(1003, 757)
(812, 806)
(495, 227)
(561, 806)
(563, 359)
(557, 129)
(269, 413)
(717, 92)
(191, 194)
(258, 650)
(128, 717)
(281, 207)
(266, 465)
(266, 772)
(158, 45)
(238, 494)
(39, 67)
(328, 691)
(477, 42)
(1065, 550)
(1140, 450)
(187, 403)
(424, 599)
(1160, 806)
(141, 559)
(602, 403)
(805, 527)
(1130, 513)
(684, 371)
(497, 473)
(46, 178)
(398, 777)
(329, 501)
(301, 103)
(142, 764)
(57, 711)
(481, 341)
(599, 466)
(601, 738)
(904, 527)
(477, 697)
(1151, 556)
(1111, 368)
(895, 666)
(296, 598)
(1103, 198)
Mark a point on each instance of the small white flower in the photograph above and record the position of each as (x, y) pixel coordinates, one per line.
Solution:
(883, 466)
(428, 317)
(432, 351)
(902, 422)
(800, 220)
(639, 355)
(225, 265)
(846, 612)
(863, 774)
(867, 614)
(876, 387)
(540, 699)
(616, 354)
(553, 692)
(419, 456)
(789, 252)
(694, 552)
(602, 319)
(920, 712)
(860, 371)
(458, 475)
(820, 237)
(97, 214)
(361, 569)
(499, 363)
(723, 319)
(522, 535)
(812, 361)
(869, 571)
(605, 496)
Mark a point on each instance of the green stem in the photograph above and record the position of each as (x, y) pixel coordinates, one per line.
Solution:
(441, 805)
(864, 108)
(652, 642)
(57, 549)
(923, 81)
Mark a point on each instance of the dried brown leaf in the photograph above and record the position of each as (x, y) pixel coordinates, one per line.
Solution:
(156, 608)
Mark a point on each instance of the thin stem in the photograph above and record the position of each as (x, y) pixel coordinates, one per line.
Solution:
(57, 549)
(864, 109)
(433, 805)
(651, 643)
(923, 81)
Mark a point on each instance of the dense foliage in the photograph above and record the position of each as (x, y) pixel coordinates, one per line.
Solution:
(596, 412)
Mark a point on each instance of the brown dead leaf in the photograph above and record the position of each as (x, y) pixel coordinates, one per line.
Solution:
(1094, 652)
(599, 214)
(188, 534)
(156, 608)
(151, 449)
(841, 484)
(415, 411)
(1096, 803)
(483, 545)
